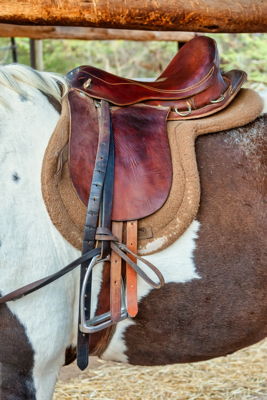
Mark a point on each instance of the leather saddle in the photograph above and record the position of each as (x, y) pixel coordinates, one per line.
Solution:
(192, 86)
(120, 162)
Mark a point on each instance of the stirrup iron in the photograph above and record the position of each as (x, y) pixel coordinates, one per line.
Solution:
(104, 320)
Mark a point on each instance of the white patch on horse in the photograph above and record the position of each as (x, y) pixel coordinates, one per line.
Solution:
(180, 269)
(31, 246)
(116, 350)
(153, 246)
(96, 286)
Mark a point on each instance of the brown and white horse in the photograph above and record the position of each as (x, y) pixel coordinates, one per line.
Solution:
(215, 298)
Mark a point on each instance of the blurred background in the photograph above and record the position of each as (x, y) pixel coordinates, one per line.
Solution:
(135, 59)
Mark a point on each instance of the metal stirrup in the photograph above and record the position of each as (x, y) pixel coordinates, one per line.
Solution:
(98, 322)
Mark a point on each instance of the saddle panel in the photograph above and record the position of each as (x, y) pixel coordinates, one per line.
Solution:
(143, 167)
(194, 68)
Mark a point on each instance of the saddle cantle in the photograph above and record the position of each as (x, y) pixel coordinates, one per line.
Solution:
(155, 171)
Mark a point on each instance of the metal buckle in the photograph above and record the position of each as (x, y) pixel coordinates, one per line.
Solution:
(184, 113)
(104, 320)
(221, 98)
(87, 83)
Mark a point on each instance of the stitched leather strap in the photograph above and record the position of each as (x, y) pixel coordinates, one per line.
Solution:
(131, 275)
(115, 275)
(91, 222)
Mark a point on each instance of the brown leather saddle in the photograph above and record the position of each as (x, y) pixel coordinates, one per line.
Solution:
(192, 86)
(120, 162)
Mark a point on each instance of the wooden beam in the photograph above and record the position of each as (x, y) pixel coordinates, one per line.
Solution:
(84, 33)
(179, 15)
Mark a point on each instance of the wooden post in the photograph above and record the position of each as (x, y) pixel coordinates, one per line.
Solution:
(36, 54)
(14, 50)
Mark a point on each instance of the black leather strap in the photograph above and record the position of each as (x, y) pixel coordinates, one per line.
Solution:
(106, 205)
(32, 287)
(91, 222)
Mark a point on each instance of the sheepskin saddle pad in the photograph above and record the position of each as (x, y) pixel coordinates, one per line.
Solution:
(67, 207)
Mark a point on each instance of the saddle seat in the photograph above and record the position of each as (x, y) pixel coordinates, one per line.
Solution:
(192, 82)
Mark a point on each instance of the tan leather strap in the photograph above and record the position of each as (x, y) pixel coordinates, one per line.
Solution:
(115, 275)
(131, 275)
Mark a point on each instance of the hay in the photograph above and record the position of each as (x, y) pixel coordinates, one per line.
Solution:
(241, 375)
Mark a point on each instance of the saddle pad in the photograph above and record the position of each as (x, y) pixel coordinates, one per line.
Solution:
(165, 226)
(143, 170)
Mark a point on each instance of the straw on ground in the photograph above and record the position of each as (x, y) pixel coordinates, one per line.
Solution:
(242, 375)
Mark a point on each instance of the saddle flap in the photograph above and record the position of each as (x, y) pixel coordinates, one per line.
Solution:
(143, 168)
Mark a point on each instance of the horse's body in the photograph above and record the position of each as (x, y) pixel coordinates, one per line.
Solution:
(214, 301)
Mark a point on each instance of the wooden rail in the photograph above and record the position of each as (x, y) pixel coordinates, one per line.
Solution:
(179, 15)
(84, 33)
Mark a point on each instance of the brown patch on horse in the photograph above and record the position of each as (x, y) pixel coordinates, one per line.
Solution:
(226, 309)
(70, 355)
(16, 359)
(53, 101)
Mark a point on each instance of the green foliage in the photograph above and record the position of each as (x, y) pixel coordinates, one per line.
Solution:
(244, 51)
(142, 59)
(126, 58)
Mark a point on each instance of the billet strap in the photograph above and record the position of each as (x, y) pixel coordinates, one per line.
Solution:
(32, 287)
(131, 275)
(91, 222)
(115, 275)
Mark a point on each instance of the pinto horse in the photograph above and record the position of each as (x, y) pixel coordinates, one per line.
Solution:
(214, 301)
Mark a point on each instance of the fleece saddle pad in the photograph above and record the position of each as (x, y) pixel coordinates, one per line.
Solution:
(163, 227)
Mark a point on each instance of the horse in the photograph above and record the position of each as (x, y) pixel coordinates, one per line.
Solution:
(214, 301)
